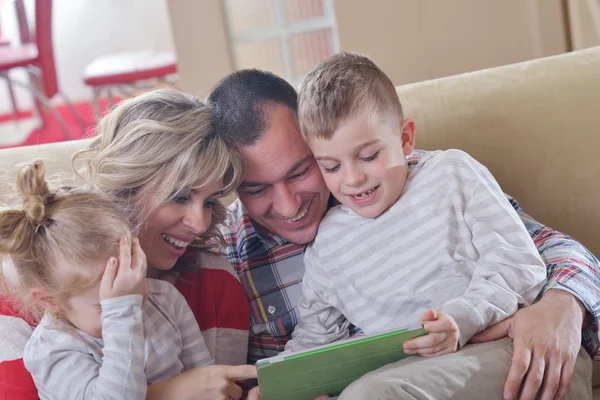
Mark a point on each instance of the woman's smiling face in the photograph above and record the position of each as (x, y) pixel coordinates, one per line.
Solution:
(171, 227)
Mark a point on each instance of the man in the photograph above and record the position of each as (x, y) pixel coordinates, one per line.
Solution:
(282, 200)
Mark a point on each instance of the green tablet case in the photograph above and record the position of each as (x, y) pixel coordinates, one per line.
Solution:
(329, 369)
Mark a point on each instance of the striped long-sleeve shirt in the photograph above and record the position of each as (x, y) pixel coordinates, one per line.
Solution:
(271, 270)
(451, 242)
(141, 344)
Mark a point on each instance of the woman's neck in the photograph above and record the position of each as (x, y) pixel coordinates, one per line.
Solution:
(168, 276)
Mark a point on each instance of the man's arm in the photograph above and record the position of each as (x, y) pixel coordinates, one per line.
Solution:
(572, 268)
(547, 335)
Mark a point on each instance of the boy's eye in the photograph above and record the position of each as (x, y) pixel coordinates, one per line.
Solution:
(210, 203)
(371, 157)
(331, 169)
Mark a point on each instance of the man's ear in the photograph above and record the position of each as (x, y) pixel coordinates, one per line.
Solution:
(408, 131)
(46, 301)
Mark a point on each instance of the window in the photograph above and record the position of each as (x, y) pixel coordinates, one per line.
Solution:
(287, 37)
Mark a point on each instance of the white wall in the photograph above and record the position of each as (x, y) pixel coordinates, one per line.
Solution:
(416, 40)
(86, 29)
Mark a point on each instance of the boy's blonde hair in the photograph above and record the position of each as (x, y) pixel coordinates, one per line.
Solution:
(160, 144)
(343, 87)
(59, 240)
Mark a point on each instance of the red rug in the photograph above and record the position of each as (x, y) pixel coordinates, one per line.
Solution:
(52, 132)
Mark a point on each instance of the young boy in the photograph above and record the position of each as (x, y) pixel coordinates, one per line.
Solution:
(436, 242)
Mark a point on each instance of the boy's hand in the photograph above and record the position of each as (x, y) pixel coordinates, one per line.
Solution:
(127, 275)
(442, 337)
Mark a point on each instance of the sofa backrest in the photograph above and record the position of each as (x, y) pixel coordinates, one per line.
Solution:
(56, 156)
(533, 124)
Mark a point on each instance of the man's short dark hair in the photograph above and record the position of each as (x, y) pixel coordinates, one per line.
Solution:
(241, 102)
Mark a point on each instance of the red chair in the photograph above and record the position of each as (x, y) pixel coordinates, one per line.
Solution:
(37, 57)
(127, 70)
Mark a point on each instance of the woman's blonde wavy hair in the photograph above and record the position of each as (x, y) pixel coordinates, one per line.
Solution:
(160, 143)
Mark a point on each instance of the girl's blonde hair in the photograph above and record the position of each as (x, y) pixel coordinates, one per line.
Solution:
(59, 240)
(160, 143)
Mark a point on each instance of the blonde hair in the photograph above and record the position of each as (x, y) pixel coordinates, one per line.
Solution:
(54, 226)
(160, 143)
(342, 87)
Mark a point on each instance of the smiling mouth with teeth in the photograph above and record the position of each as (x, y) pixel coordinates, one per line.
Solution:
(364, 195)
(300, 215)
(174, 242)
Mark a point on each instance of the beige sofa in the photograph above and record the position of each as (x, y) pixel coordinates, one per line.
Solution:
(534, 124)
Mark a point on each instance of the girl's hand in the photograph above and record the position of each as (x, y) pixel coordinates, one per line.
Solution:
(127, 275)
(442, 337)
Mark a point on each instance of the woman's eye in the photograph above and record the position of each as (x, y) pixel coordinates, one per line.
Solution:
(332, 169)
(371, 157)
(181, 199)
(210, 203)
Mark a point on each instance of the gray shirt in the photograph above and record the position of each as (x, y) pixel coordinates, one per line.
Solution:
(141, 344)
(451, 242)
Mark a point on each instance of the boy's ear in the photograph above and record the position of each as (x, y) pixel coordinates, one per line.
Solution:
(47, 302)
(407, 132)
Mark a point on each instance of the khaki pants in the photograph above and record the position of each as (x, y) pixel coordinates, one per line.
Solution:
(478, 371)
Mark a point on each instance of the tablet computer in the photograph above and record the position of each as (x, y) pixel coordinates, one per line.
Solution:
(329, 369)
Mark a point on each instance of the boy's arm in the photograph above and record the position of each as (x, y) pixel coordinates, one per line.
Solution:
(509, 269)
(320, 323)
(63, 369)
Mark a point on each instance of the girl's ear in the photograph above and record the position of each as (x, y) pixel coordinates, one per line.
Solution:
(47, 302)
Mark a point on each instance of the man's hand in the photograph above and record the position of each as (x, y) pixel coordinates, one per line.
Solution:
(442, 337)
(546, 338)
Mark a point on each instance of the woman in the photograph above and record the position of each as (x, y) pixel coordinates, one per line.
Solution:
(157, 157)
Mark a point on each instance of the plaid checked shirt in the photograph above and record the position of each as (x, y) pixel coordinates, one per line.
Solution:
(271, 271)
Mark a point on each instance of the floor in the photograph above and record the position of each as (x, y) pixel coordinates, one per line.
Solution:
(28, 130)
(12, 133)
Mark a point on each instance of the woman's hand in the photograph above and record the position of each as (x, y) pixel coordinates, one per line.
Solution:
(127, 275)
(442, 337)
(254, 394)
(217, 382)
(214, 382)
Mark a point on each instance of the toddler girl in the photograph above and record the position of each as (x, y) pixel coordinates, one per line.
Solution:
(106, 331)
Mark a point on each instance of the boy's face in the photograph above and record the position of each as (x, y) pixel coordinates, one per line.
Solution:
(364, 163)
